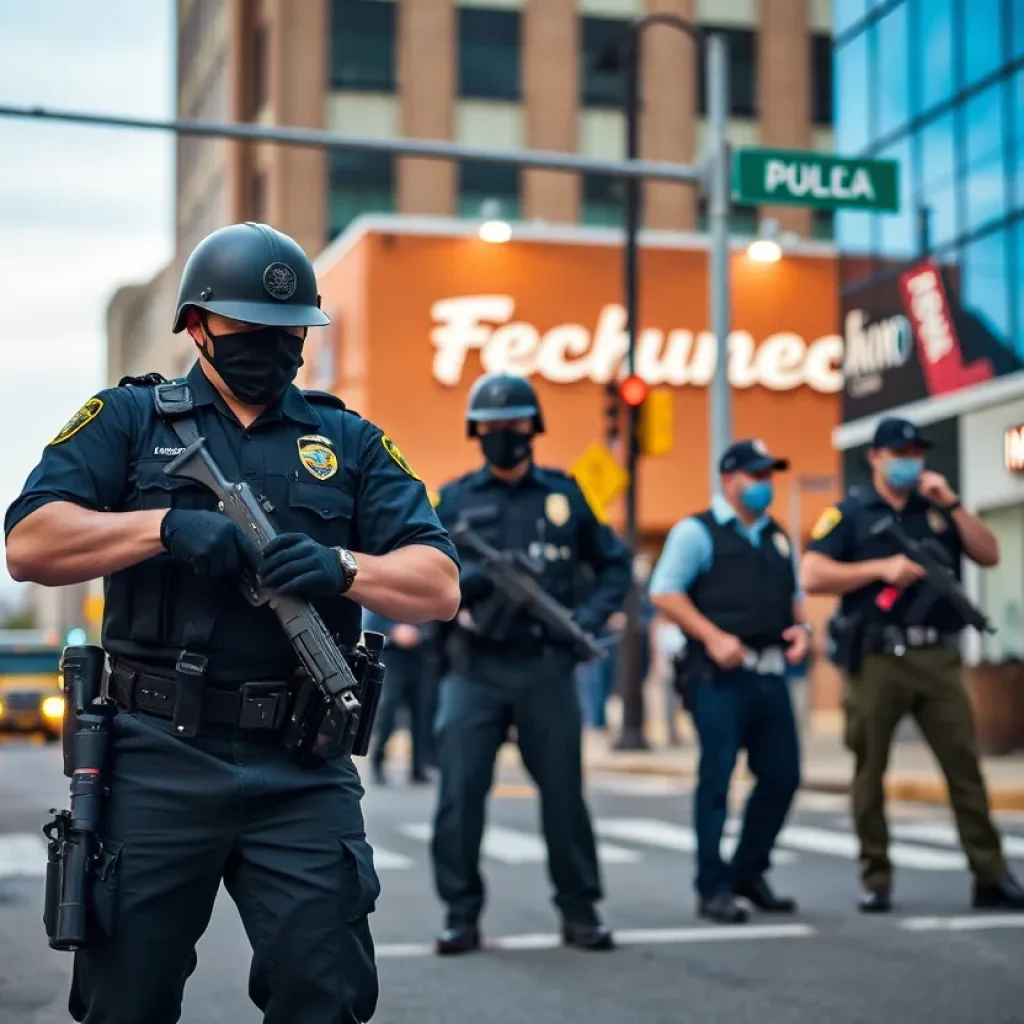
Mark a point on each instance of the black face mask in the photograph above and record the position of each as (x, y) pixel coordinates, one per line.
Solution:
(256, 365)
(505, 448)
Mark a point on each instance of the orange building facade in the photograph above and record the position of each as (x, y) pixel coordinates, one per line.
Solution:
(421, 308)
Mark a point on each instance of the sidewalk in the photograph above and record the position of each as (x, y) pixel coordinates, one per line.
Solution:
(827, 766)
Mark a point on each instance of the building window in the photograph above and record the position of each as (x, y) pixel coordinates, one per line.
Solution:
(488, 53)
(823, 225)
(1017, 110)
(898, 234)
(480, 182)
(932, 52)
(359, 183)
(892, 95)
(985, 283)
(852, 95)
(1017, 30)
(743, 220)
(984, 151)
(983, 38)
(937, 193)
(362, 45)
(846, 13)
(601, 77)
(821, 79)
(604, 200)
(742, 45)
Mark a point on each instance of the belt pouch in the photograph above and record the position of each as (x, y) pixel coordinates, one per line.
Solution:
(189, 675)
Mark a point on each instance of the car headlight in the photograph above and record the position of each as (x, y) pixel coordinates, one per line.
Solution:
(52, 707)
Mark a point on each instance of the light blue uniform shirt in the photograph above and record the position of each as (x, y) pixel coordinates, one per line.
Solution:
(688, 549)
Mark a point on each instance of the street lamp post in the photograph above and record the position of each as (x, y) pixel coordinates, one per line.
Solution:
(626, 57)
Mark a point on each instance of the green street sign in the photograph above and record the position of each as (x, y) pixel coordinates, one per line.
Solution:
(804, 178)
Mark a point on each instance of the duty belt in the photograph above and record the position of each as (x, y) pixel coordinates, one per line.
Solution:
(899, 639)
(252, 705)
(769, 662)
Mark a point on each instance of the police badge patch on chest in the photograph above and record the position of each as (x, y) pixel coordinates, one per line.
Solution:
(316, 455)
(556, 508)
(781, 543)
(936, 521)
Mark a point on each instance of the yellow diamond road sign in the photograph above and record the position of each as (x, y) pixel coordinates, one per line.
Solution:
(600, 477)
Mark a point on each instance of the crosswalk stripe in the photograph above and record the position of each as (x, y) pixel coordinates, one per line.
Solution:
(962, 923)
(666, 836)
(845, 844)
(388, 860)
(510, 846)
(22, 854)
(944, 834)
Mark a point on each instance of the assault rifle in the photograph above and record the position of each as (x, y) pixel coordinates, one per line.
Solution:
(938, 582)
(343, 714)
(517, 589)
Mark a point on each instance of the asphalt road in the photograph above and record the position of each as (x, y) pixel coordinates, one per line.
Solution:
(931, 962)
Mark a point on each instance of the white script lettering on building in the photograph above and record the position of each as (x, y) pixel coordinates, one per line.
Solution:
(568, 352)
(873, 348)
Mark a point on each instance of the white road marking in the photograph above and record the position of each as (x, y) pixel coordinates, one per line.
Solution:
(22, 854)
(388, 860)
(665, 836)
(633, 937)
(944, 834)
(639, 785)
(844, 844)
(509, 846)
(962, 923)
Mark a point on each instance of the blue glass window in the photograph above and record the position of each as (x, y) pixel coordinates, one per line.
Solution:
(359, 183)
(1017, 30)
(898, 232)
(983, 38)
(1018, 289)
(892, 95)
(938, 179)
(846, 13)
(933, 52)
(985, 176)
(1017, 99)
(985, 285)
(853, 231)
(852, 85)
(362, 45)
(601, 79)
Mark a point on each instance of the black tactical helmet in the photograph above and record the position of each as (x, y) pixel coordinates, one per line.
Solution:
(502, 396)
(251, 272)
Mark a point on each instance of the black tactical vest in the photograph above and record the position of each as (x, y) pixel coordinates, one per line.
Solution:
(748, 591)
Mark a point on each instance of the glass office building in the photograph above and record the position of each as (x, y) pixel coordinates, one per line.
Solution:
(933, 296)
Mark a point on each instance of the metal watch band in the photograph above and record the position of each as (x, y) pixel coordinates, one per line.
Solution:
(349, 569)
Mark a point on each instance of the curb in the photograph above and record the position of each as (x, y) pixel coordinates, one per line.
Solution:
(924, 789)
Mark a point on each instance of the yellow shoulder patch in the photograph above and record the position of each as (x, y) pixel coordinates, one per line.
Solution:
(392, 449)
(85, 415)
(435, 498)
(827, 522)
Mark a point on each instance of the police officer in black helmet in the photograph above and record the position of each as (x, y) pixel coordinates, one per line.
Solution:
(522, 680)
(204, 792)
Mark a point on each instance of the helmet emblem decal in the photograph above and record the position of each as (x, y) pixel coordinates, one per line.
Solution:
(280, 281)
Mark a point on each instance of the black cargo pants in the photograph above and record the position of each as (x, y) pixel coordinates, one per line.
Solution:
(289, 845)
(477, 706)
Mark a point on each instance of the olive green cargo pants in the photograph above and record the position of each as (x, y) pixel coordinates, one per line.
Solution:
(926, 683)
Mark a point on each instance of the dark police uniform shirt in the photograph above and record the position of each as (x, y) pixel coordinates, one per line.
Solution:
(843, 533)
(546, 516)
(327, 472)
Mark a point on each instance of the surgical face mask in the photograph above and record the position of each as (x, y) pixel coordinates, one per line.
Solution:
(903, 473)
(505, 448)
(757, 495)
(257, 365)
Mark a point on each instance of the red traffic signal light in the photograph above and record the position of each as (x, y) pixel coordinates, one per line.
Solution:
(633, 390)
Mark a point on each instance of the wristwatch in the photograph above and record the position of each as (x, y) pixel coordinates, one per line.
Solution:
(349, 569)
(950, 509)
(807, 628)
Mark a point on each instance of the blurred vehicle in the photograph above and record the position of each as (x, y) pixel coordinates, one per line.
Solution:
(31, 700)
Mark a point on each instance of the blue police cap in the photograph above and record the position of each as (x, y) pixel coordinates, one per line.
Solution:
(749, 457)
(895, 433)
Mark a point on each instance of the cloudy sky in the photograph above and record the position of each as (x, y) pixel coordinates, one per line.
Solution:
(82, 209)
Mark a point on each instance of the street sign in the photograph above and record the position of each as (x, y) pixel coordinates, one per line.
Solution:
(656, 431)
(600, 477)
(803, 178)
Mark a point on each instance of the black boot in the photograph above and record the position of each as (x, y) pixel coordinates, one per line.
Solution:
(723, 909)
(759, 892)
(1004, 895)
(589, 934)
(458, 938)
(877, 900)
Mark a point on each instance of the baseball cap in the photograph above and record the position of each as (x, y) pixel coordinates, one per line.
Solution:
(749, 457)
(893, 432)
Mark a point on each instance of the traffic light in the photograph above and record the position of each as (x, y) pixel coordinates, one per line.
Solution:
(633, 390)
(655, 425)
(611, 413)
